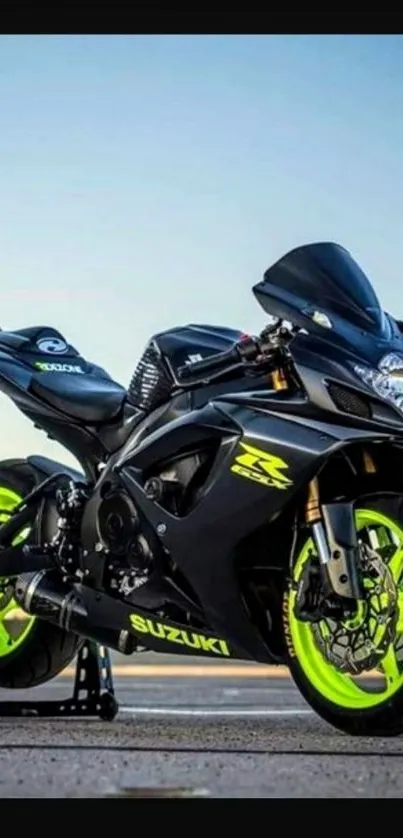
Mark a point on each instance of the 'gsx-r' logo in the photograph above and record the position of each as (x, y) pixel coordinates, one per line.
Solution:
(52, 346)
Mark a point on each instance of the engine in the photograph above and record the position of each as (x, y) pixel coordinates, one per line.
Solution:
(130, 556)
(100, 539)
(118, 522)
(177, 486)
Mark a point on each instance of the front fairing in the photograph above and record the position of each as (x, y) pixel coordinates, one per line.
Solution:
(320, 363)
(322, 291)
(346, 345)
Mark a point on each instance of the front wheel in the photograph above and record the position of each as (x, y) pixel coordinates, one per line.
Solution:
(324, 657)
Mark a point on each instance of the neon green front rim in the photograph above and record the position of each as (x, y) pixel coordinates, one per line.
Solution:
(373, 688)
(15, 624)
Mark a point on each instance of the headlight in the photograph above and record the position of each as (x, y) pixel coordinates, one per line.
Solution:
(387, 380)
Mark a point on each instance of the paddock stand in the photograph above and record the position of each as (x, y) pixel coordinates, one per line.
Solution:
(93, 677)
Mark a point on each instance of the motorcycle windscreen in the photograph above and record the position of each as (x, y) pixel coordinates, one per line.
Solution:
(322, 279)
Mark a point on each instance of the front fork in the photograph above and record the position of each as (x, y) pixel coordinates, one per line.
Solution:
(335, 537)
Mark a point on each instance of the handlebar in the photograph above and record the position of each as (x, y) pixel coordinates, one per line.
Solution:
(245, 350)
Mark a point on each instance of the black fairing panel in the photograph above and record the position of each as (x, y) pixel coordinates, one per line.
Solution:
(231, 507)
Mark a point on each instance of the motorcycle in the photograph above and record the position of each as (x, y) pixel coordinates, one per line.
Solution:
(240, 500)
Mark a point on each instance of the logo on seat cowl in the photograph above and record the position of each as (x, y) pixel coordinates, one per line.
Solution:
(52, 346)
(47, 367)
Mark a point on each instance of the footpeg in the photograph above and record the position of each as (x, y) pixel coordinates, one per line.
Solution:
(24, 558)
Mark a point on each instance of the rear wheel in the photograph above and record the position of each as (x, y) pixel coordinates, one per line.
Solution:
(351, 671)
(31, 651)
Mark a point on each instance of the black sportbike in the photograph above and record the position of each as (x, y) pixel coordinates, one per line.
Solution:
(242, 499)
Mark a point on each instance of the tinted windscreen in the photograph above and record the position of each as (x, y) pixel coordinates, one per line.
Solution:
(326, 276)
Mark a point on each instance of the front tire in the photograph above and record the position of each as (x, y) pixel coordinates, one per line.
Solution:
(372, 704)
(32, 651)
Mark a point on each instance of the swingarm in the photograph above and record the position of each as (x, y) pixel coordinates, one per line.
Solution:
(24, 557)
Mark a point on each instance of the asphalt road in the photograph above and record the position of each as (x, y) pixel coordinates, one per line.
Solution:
(218, 731)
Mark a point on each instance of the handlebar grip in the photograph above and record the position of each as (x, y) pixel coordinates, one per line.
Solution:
(212, 364)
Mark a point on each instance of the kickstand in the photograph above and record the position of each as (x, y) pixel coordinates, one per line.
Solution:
(93, 678)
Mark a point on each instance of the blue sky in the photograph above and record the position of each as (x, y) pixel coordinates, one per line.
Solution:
(149, 181)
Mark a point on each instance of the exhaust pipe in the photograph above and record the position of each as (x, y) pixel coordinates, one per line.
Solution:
(45, 596)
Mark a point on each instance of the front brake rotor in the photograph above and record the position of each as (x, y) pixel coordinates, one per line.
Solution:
(360, 642)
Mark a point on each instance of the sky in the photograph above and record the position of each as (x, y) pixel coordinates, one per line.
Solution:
(149, 181)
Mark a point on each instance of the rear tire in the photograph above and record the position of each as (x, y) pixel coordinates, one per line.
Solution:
(336, 697)
(43, 650)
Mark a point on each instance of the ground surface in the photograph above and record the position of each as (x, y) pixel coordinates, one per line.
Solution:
(220, 731)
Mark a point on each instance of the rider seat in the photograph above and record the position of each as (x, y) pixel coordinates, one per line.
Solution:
(88, 398)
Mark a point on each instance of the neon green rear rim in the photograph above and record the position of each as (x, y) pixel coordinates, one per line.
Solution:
(372, 689)
(15, 624)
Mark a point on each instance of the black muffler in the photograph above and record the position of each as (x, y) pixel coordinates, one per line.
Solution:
(46, 596)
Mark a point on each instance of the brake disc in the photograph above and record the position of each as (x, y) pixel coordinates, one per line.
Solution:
(360, 642)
